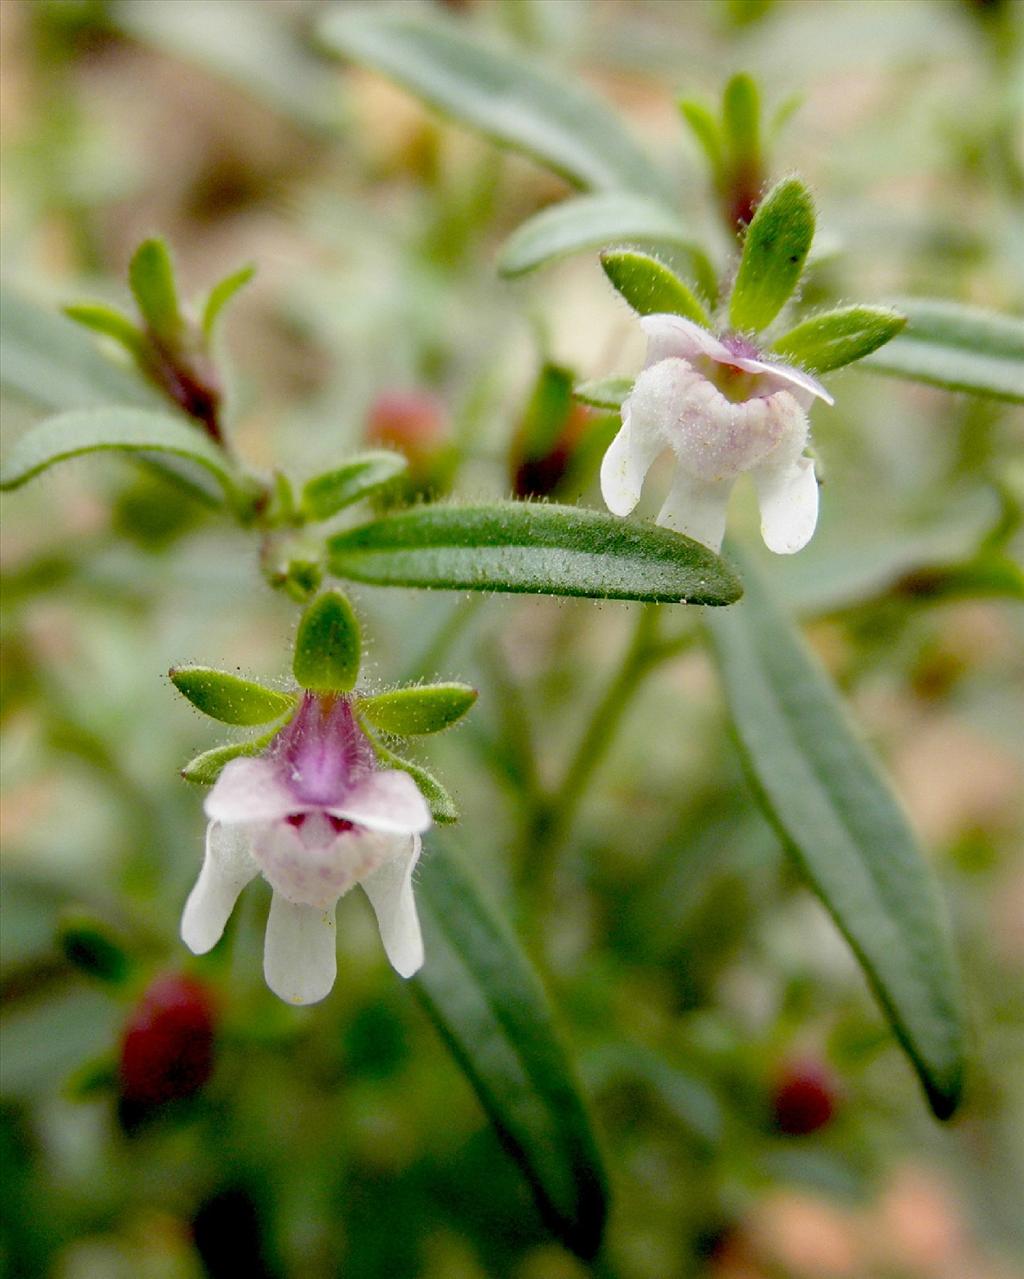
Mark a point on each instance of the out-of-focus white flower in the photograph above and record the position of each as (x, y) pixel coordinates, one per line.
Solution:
(722, 410)
(316, 816)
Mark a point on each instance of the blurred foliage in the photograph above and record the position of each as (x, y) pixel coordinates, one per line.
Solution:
(689, 967)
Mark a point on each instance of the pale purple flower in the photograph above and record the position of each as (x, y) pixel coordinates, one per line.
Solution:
(315, 815)
(722, 410)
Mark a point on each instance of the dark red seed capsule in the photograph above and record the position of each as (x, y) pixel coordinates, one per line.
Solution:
(805, 1099)
(167, 1051)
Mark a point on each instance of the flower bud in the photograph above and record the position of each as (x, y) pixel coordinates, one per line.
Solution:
(167, 1051)
(805, 1098)
(413, 422)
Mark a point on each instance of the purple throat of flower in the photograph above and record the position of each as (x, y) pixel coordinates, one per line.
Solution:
(323, 753)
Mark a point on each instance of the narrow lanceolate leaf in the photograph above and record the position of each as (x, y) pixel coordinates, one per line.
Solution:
(707, 131)
(962, 348)
(207, 767)
(650, 287)
(834, 338)
(127, 430)
(741, 121)
(774, 251)
(222, 293)
(605, 393)
(228, 697)
(151, 276)
(504, 94)
(833, 808)
(442, 806)
(487, 1002)
(326, 494)
(407, 712)
(588, 222)
(536, 549)
(328, 646)
(109, 322)
(52, 363)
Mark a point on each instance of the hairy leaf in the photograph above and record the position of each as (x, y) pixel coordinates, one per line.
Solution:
(537, 549)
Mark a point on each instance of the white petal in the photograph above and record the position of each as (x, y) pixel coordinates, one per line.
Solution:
(625, 465)
(388, 800)
(250, 790)
(671, 336)
(390, 892)
(783, 377)
(300, 958)
(227, 868)
(789, 504)
(697, 508)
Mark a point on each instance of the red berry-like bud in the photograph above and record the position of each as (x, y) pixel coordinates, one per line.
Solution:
(805, 1099)
(411, 421)
(167, 1048)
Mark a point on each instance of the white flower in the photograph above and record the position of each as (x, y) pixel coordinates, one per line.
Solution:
(722, 410)
(315, 815)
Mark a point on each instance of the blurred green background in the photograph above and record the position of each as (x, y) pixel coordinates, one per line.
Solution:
(691, 971)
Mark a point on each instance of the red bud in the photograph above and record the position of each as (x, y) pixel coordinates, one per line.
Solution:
(411, 421)
(167, 1049)
(805, 1099)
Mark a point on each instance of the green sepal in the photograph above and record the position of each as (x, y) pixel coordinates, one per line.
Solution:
(206, 768)
(605, 392)
(650, 287)
(546, 413)
(328, 646)
(834, 338)
(229, 698)
(441, 805)
(89, 944)
(774, 251)
(151, 276)
(408, 712)
(327, 494)
(111, 323)
(221, 294)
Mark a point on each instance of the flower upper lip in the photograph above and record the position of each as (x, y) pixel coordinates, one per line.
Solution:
(673, 335)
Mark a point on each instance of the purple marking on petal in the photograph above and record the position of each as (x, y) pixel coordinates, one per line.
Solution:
(323, 753)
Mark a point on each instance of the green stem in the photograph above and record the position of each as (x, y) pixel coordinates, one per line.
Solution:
(554, 815)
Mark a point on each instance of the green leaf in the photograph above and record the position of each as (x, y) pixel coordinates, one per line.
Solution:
(407, 712)
(206, 768)
(151, 276)
(88, 943)
(741, 121)
(774, 250)
(961, 348)
(650, 287)
(604, 393)
(50, 362)
(488, 1004)
(129, 430)
(834, 338)
(229, 698)
(112, 323)
(588, 222)
(222, 293)
(506, 95)
(836, 814)
(328, 646)
(706, 130)
(326, 494)
(532, 548)
(442, 806)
